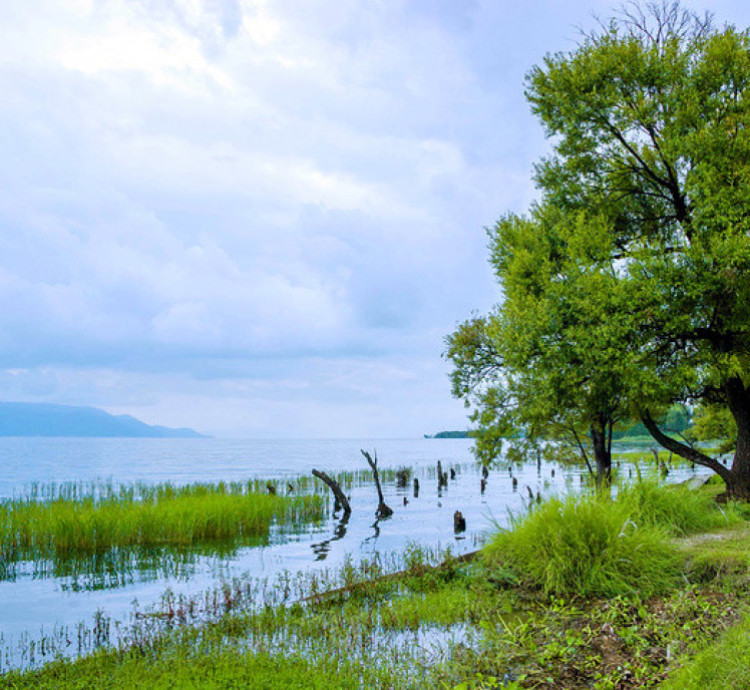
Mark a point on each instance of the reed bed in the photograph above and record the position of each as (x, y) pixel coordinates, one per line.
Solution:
(54, 522)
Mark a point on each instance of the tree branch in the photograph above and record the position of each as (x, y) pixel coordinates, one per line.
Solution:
(583, 450)
(683, 450)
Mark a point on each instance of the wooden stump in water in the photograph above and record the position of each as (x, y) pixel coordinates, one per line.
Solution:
(459, 522)
(338, 494)
(402, 477)
(383, 510)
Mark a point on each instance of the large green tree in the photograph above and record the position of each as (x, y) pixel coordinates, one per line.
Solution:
(648, 119)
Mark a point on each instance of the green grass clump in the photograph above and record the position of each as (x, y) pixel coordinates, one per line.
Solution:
(596, 545)
(586, 545)
(724, 665)
(163, 515)
(718, 555)
(677, 508)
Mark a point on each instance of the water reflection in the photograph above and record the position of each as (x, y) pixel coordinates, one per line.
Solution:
(321, 548)
(120, 567)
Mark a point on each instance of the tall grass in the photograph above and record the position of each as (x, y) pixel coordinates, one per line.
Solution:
(588, 546)
(677, 508)
(596, 545)
(77, 520)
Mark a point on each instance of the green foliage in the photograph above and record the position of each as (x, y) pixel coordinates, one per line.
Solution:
(452, 434)
(677, 420)
(626, 288)
(715, 422)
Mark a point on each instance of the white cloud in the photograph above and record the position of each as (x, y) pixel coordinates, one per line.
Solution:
(265, 206)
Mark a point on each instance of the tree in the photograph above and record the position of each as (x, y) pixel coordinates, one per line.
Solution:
(544, 368)
(648, 118)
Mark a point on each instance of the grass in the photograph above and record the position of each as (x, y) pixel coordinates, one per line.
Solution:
(588, 547)
(185, 665)
(57, 523)
(593, 545)
(724, 665)
(678, 509)
(448, 628)
(100, 533)
(366, 637)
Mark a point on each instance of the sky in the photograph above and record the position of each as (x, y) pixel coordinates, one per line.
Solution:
(261, 218)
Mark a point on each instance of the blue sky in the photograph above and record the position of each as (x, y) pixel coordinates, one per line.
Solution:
(261, 217)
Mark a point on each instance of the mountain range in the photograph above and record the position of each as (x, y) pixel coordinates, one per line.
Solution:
(41, 419)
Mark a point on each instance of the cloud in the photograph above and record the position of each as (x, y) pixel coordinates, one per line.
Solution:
(257, 205)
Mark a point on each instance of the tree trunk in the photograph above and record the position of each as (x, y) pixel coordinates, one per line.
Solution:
(692, 454)
(738, 399)
(602, 454)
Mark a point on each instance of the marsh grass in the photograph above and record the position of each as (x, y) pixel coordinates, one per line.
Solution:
(392, 632)
(678, 509)
(64, 522)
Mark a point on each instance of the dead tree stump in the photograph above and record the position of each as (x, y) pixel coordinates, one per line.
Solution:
(459, 522)
(383, 510)
(338, 494)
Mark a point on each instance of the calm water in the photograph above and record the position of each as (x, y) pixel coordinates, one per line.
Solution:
(34, 604)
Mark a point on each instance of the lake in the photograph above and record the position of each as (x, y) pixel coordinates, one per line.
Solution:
(38, 602)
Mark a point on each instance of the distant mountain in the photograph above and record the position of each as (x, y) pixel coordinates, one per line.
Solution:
(38, 419)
